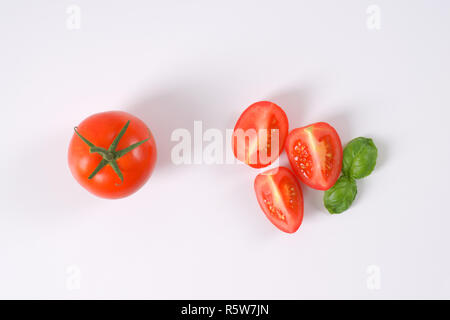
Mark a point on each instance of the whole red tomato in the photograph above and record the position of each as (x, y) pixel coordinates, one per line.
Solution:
(112, 154)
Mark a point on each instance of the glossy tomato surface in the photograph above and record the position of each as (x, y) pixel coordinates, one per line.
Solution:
(280, 197)
(136, 166)
(315, 155)
(259, 135)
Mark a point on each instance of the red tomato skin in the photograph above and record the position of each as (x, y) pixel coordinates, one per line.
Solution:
(319, 129)
(136, 166)
(283, 179)
(255, 117)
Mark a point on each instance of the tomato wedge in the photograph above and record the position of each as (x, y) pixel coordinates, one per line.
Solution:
(259, 135)
(280, 197)
(315, 155)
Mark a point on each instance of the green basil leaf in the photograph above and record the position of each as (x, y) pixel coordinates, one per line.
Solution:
(360, 157)
(340, 196)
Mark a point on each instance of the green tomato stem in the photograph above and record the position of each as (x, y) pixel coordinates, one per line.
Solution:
(110, 155)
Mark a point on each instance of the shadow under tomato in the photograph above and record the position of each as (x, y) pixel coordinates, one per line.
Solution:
(176, 107)
(50, 189)
(294, 102)
(341, 121)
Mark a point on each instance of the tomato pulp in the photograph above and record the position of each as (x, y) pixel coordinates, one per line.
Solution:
(112, 154)
(259, 135)
(280, 197)
(315, 155)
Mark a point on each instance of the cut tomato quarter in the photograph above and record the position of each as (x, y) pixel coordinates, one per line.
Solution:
(259, 135)
(315, 155)
(280, 197)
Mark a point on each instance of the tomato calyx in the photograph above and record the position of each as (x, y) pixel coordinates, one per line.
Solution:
(110, 155)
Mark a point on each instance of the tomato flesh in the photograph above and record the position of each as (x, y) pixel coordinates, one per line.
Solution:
(254, 131)
(315, 155)
(280, 197)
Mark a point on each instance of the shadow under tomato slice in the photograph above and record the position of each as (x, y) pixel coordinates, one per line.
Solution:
(315, 155)
(259, 134)
(280, 197)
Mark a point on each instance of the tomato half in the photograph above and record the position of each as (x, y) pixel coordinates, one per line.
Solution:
(280, 197)
(315, 155)
(259, 135)
(112, 154)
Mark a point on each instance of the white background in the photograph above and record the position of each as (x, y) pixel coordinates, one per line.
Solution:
(197, 231)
